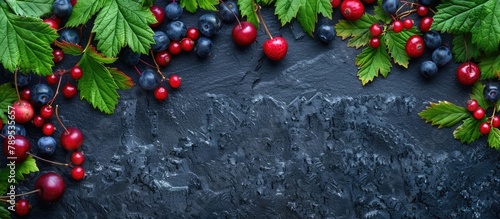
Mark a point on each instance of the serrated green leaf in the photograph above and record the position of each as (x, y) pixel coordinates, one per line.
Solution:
(264, 2)
(459, 52)
(24, 168)
(487, 34)
(7, 97)
(4, 213)
(83, 11)
(97, 85)
(122, 80)
(373, 62)
(490, 66)
(120, 23)
(307, 17)
(190, 6)
(358, 29)
(494, 138)
(477, 94)
(324, 8)
(69, 48)
(381, 15)
(208, 4)
(444, 114)
(148, 3)
(286, 10)
(25, 43)
(468, 131)
(247, 9)
(98, 56)
(32, 8)
(396, 43)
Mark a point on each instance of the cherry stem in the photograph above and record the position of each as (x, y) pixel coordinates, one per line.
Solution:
(146, 63)
(405, 14)
(15, 84)
(257, 6)
(493, 115)
(157, 66)
(137, 70)
(466, 50)
(48, 161)
(59, 119)
(90, 40)
(57, 91)
(237, 19)
(22, 194)
(3, 200)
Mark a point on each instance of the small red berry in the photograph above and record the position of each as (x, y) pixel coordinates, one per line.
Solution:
(415, 46)
(174, 48)
(479, 113)
(69, 90)
(46, 111)
(38, 121)
(58, 55)
(422, 11)
(52, 79)
(408, 23)
(73, 2)
(77, 173)
(374, 42)
(187, 44)
(158, 13)
(193, 33)
(77, 158)
(335, 3)
(163, 58)
(495, 121)
(22, 207)
(52, 23)
(76, 73)
(376, 30)
(468, 73)
(26, 94)
(352, 9)
(397, 26)
(48, 129)
(425, 24)
(472, 105)
(161, 93)
(485, 128)
(174, 81)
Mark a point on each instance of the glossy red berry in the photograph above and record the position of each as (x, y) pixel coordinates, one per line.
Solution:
(77, 158)
(52, 23)
(58, 55)
(479, 113)
(275, 48)
(76, 73)
(495, 121)
(174, 48)
(38, 121)
(193, 33)
(422, 10)
(174, 81)
(352, 9)
(69, 90)
(485, 128)
(374, 42)
(397, 26)
(71, 138)
(77, 173)
(335, 3)
(26, 94)
(415, 46)
(426, 23)
(158, 13)
(408, 23)
(244, 33)
(22, 207)
(187, 44)
(52, 79)
(472, 105)
(161, 93)
(468, 73)
(376, 30)
(163, 58)
(48, 129)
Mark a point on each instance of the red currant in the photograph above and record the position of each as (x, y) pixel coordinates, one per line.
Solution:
(77, 173)
(485, 128)
(52, 23)
(352, 9)
(376, 30)
(58, 55)
(468, 73)
(187, 44)
(38, 121)
(422, 11)
(76, 72)
(495, 121)
(159, 14)
(163, 58)
(174, 48)
(335, 3)
(22, 207)
(26, 94)
(479, 113)
(397, 26)
(69, 90)
(52, 79)
(77, 158)
(48, 129)
(425, 24)
(193, 33)
(374, 42)
(161, 93)
(408, 23)
(472, 105)
(174, 81)
(415, 46)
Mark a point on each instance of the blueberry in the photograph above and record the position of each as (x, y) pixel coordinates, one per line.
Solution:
(491, 91)
(23, 79)
(427, 2)
(428, 69)
(441, 55)
(432, 39)
(203, 47)
(46, 145)
(325, 33)
(161, 41)
(130, 57)
(62, 8)
(18, 130)
(209, 24)
(176, 30)
(149, 79)
(173, 11)
(69, 35)
(228, 11)
(41, 94)
(390, 6)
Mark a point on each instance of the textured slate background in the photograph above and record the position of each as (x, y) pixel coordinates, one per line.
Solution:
(245, 137)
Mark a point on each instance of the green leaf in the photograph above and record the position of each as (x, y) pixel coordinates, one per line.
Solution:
(264, 2)
(25, 43)
(120, 23)
(490, 66)
(97, 85)
(148, 3)
(286, 10)
(69, 48)
(468, 132)
(32, 8)
(477, 94)
(247, 9)
(307, 16)
(381, 15)
(122, 80)
(487, 34)
(444, 114)
(358, 29)
(4, 213)
(7, 97)
(373, 62)
(494, 138)
(324, 8)
(459, 50)
(396, 43)
(83, 11)
(192, 5)
(208, 4)
(24, 168)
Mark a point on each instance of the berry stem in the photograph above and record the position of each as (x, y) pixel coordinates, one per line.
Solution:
(237, 19)
(57, 92)
(466, 49)
(493, 114)
(88, 42)
(15, 84)
(59, 119)
(157, 66)
(48, 161)
(137, 70)
(3, 200)
(257, 8)
(22, 194)
(146, 63)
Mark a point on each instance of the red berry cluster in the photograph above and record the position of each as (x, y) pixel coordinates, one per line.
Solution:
(479, 114)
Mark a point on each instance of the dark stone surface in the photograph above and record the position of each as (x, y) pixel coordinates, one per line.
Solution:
(245, 137)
